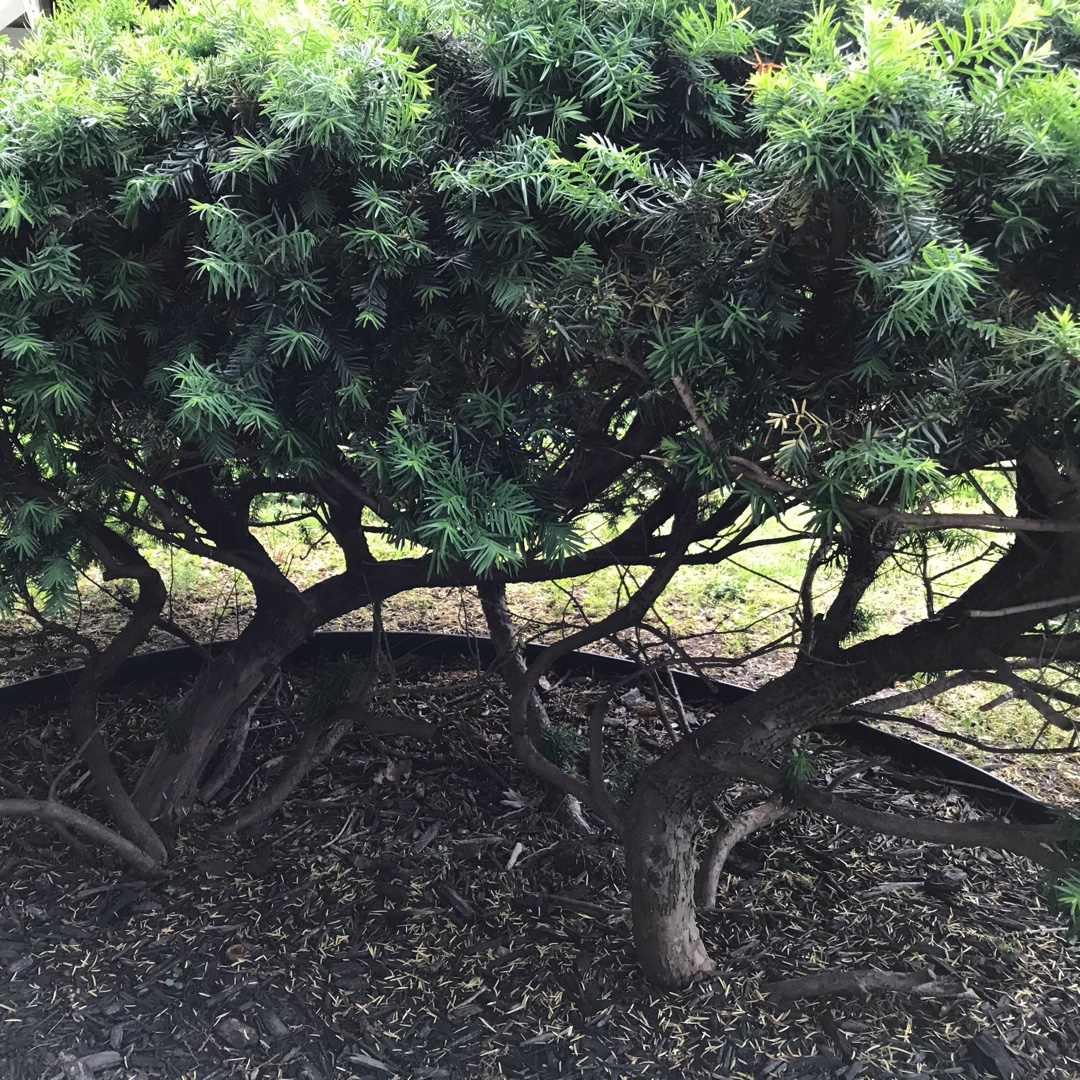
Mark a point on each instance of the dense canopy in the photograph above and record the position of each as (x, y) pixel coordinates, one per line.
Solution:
(465, 273)
(447, 250)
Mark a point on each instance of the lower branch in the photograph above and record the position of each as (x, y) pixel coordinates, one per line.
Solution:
(868, 548)
(313, 747)
(629, 614)
(119, 558)
(1042, 844)
(723, 840)
(60, 816)
(987, 748)
(864, 981)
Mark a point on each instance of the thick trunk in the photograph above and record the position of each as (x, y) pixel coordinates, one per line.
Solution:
(510, 658)
(169, 785)
(284, 619)
(660, 867)
(661, 837)
(663, 819)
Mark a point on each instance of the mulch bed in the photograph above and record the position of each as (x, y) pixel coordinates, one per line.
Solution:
(373, 929)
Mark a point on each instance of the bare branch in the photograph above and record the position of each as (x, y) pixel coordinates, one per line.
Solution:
(14, 789)
(1033, 696)
(237, 743)
(319, 740)
(1047, 647)
(969, 476)
(1022, 609)
(42, 657)
(60, 629)
(694, 413)
(1041, 844)
(928, 691)
(862, 981)
(601, 797)
(70, 764)
(724, 839)
(161, 622)
(57, 814)
(985, 522)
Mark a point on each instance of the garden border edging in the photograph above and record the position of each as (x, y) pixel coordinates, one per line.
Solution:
(182, 660)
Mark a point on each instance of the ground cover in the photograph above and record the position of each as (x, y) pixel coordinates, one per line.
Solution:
(377, 928)
(419, 910)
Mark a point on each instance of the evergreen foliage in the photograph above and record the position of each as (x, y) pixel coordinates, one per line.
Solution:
(446, 250)
(466, 271)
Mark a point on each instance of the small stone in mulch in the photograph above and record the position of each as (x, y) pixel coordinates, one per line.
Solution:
(945, 884)
(815, 1064)
(273, 1025)
(103, 1059)
(73, 1068)
(236, 1033)
(986, 1052)
(84, 1068)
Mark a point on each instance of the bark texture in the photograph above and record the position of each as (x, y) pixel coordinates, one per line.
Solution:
(509, 656)
(661, 871)
(663, 820)
(168, 787)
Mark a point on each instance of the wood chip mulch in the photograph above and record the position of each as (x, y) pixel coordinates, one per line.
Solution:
(374, 930)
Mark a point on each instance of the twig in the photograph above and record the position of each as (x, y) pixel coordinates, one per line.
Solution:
(969, 476)
(74, 759)
(598, 911)
(1023, 609)
(942, 733)
(676, 698)
(694, 413)
(865, 981)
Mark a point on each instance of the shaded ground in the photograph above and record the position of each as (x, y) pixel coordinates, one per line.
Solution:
(219, 609)
(377, 928)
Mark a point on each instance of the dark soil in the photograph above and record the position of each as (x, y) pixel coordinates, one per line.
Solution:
(421, 910)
